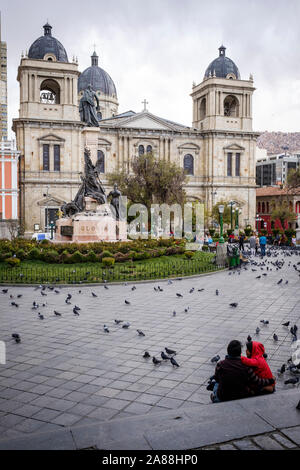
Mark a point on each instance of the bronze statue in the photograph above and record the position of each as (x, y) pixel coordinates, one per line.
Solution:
(115, 196)
(87, 107)
(91, 186)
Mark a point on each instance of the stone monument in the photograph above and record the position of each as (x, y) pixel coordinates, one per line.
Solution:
(89, 217)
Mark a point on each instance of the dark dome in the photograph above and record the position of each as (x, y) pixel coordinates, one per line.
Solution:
(98, 78)
(47, 44)
(222, 66)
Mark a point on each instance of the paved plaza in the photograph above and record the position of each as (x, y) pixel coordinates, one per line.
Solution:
(67, 371)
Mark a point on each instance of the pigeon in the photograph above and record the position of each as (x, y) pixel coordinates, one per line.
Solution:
(15, 335)
(77, 308)
(105, 328)
(265, 322)
(257, 330)
(117, 322)
(164, 356)
(215, 358)
(234, 304)
(68, 302)
(286, 282)
(286, 324)
(293, 380)
(75, 312)
(279, 282)
(18, 339)
(127, 302)
(105, 286)
(14, 303)
(186, 309)
(41, 317)
(249, 339)
(4, 291)
(56, 291)
(57, 313)
(94, 295)
(174, 313)
(126, 325)
(43, 293)
(140, 333)
(155, 361)
(19, 296)
(192, 290)
(173, 362)
(133, 288)
(146, 355)
(282, 369)
(217, 292)
(170, 352)
(298, 406)
(275, 337)
(200, 290)
(179, 295)
(295, 328)
(258, 277)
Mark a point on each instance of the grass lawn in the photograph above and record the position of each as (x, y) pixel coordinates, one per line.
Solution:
(154, 268)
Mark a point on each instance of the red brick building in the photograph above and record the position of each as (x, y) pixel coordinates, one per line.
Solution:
(8, 180)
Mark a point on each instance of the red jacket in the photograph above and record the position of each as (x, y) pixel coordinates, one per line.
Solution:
(257, 361)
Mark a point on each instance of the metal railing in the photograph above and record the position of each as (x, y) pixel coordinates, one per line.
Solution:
(96, 274)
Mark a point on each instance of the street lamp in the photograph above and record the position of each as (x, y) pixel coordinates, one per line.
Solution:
(221, 212)
(232, 206)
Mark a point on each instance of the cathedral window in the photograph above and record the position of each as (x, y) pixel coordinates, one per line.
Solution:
(46, 162)
(229, 164)
(237, 164)
(149, 149)
(141, 150)
(56, 165)
(203, 109)
(188, 164)
(100, 165)
(50, 92)
(231, 106)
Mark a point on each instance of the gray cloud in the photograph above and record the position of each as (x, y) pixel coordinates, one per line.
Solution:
(156, 49)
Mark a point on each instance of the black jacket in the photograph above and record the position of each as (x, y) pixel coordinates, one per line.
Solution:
(236, 379)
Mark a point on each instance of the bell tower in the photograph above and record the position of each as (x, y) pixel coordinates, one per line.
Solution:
(222, 101)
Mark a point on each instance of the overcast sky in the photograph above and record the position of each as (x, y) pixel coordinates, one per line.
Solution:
(156, 49)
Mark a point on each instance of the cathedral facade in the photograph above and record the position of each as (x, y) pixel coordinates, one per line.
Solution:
(217, 151)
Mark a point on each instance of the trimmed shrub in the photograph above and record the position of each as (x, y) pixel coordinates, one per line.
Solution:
(77, 257)
(91, 257)
(105, 254)
(13, 262)
(44, 243)
(34, 253)
(211, 232)
(51, 256)
(65, 257)
(4, 256)
(205, 248)
(21, 254)
(108, 261)
(248, 230)
(189, 254)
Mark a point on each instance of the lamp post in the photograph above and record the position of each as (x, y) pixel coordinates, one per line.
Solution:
(52, 225)
(236, 218)
(232, 206)
(221, 212)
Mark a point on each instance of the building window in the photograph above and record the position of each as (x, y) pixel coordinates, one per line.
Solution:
(50, 92)
(203, 109)
(258, 207)
(229, 164)
(46, 157)
(188, 164)
(237, 164)
(141, 150)
(263, 210)
(100, 165)
(149, 149)
(56, 157)
(231, 106)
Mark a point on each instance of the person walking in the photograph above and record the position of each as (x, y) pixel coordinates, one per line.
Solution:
(252, 241)
(241, 242)
(263, 242)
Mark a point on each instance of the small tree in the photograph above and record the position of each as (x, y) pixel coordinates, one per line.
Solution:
(13, 227)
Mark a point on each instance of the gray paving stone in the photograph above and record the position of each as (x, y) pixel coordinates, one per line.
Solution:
(227, 447)
(59, 440)
(293, 434)
(267, 443)
(283, 440)
(246, 444)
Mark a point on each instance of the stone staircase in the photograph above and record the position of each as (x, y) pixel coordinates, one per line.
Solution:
(194, 427)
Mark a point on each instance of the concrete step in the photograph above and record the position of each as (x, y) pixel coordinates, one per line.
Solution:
(187, 428)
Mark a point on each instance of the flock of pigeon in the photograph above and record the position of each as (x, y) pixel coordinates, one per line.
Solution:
(267, 264)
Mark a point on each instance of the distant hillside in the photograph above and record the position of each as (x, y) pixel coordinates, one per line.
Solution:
(274, 141)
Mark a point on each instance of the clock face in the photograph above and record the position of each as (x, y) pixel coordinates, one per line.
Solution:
(47, 97)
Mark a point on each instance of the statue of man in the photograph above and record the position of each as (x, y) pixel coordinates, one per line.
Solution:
(87, 107)
(115, 195)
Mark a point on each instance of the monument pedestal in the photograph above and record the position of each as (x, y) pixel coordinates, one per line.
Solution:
(96, 224)
(221, 255)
